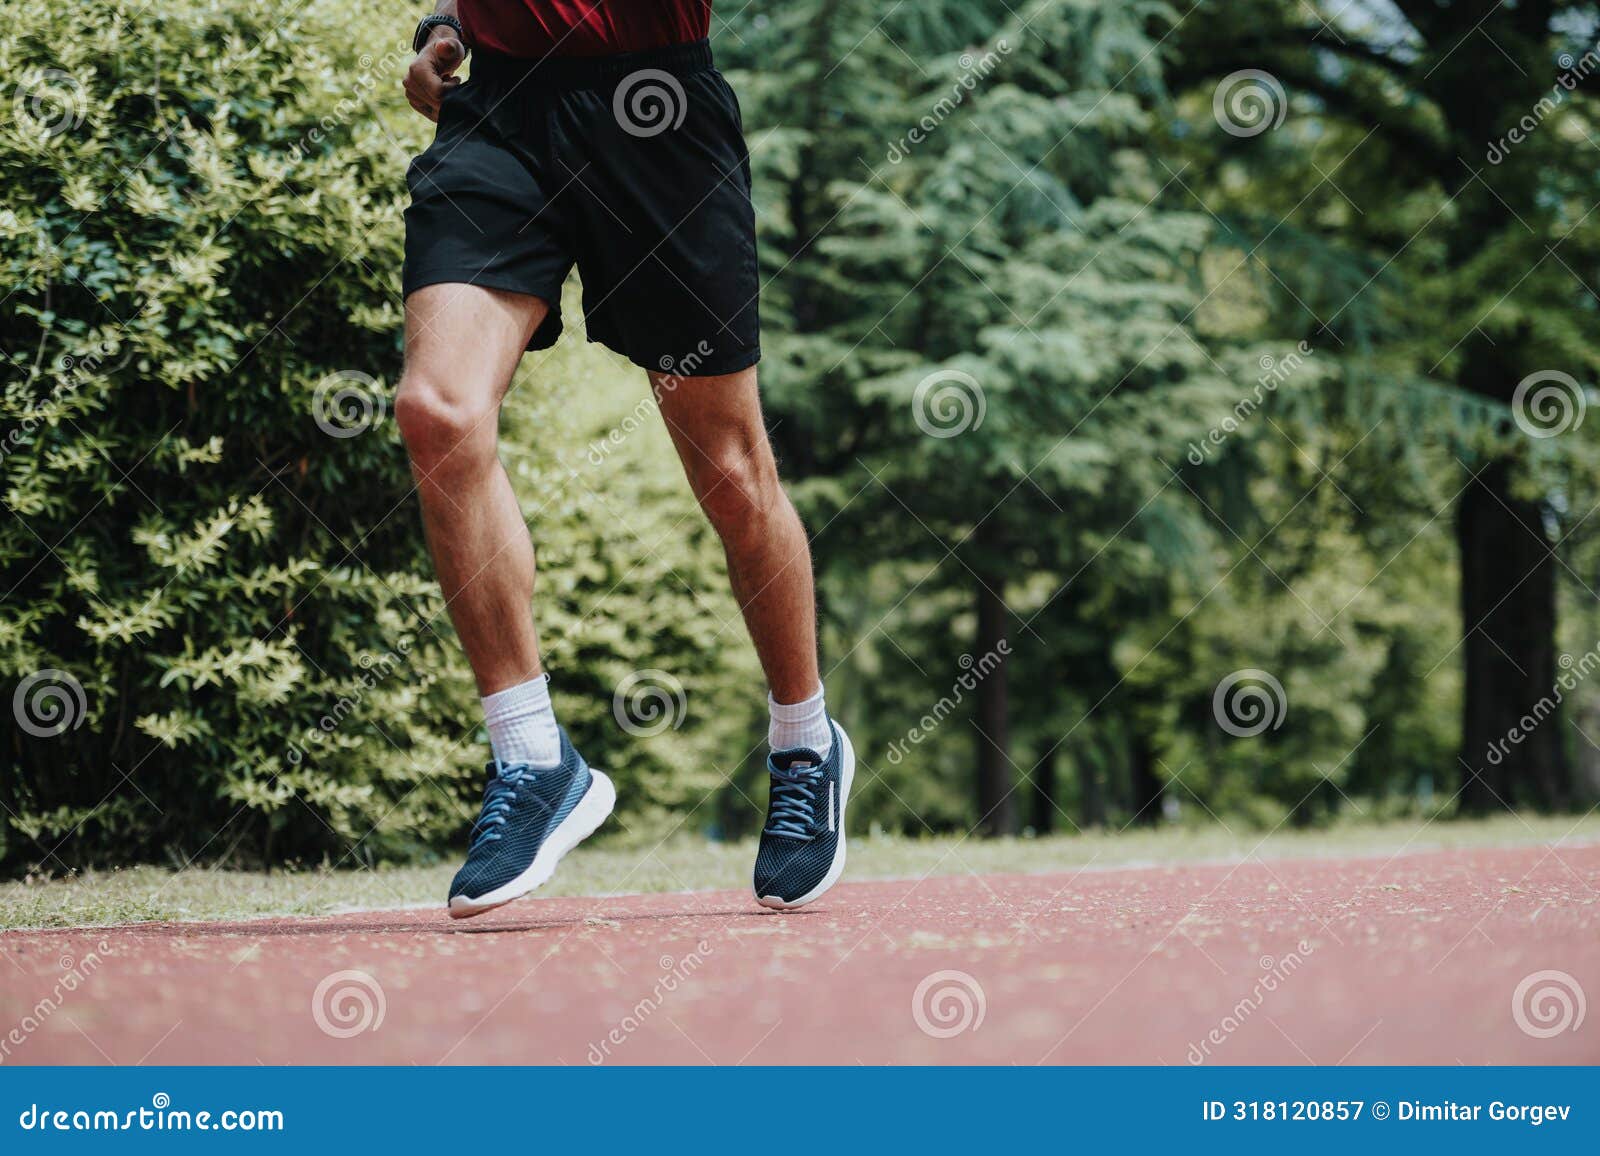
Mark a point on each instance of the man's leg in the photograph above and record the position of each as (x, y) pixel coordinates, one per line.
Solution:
(462, 346)
(715, 422)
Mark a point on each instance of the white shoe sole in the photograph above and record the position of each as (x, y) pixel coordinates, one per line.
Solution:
(585, 818)
(836, 869)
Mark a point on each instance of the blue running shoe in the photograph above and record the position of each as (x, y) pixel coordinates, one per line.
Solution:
(802, 846)
(531, 817)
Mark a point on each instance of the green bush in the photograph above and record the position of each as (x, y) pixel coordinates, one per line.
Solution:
(201, 239)
(218, 619)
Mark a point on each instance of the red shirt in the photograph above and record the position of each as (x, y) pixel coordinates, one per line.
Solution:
(534, 28)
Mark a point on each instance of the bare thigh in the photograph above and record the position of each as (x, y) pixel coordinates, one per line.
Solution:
(716, 425)
(463, 343)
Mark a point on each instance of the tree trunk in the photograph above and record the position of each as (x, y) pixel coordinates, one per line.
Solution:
(1091, 798)
(1508, 610)
(1144, 785)
(1044, 794)
(997, 812)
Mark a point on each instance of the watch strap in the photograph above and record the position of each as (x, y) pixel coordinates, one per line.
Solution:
(427, 24)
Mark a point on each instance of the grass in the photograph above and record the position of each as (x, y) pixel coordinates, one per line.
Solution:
(142, 894)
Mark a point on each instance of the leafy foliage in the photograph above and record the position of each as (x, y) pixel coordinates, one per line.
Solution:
(202, 236)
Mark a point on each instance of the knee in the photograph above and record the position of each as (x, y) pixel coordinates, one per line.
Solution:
(440, 429)
(739, 491)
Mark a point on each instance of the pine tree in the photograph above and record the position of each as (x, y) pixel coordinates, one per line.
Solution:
(1443, 147)
(994, 366)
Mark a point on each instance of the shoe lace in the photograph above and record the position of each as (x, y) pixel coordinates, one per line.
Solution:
(497, 800)
(793, 797)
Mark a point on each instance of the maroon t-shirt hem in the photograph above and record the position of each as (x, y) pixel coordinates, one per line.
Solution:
(536, 28)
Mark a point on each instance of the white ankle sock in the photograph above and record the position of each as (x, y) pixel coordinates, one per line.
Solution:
(522, 724)
(799, 724)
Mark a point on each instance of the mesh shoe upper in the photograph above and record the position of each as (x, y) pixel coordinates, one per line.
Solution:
(797, 846)
(521, 806)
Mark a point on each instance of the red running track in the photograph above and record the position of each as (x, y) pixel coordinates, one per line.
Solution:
(1416, 959)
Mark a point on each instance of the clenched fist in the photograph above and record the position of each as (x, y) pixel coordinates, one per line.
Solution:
(432, 73)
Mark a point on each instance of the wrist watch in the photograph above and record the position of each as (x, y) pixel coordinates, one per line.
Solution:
(427, 24)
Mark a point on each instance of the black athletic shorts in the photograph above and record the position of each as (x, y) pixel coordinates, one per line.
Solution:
(633, 167)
